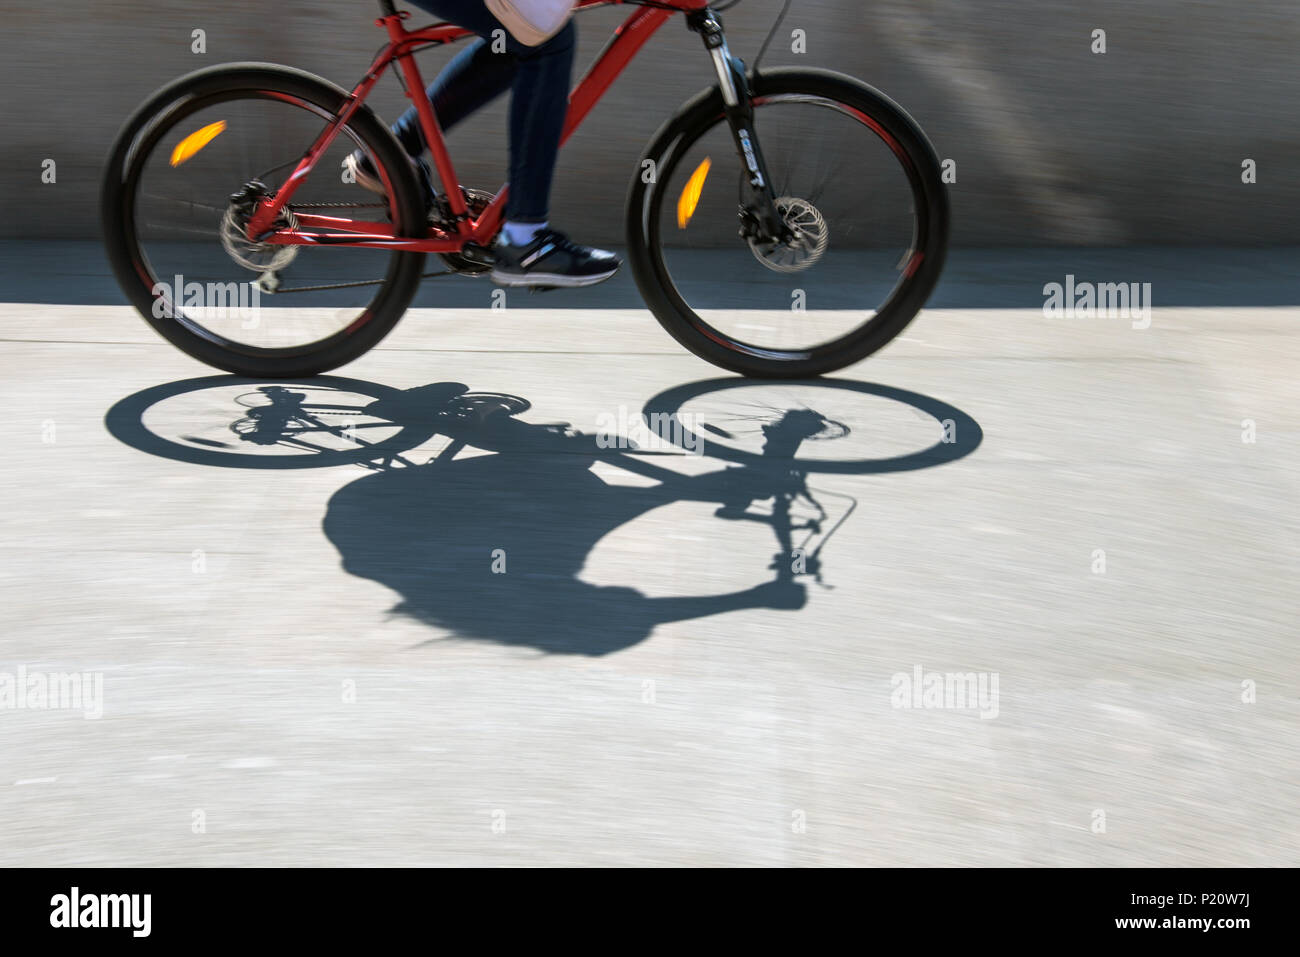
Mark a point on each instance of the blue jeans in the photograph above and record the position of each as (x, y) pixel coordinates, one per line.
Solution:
(538, 78)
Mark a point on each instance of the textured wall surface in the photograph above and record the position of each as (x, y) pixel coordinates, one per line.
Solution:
(1054, 143)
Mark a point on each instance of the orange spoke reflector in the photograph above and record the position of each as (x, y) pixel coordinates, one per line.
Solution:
(691, 194)
(188, 147)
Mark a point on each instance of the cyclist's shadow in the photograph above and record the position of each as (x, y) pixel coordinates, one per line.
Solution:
(491, 546)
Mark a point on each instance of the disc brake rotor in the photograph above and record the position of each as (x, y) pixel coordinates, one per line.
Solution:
(258, 257)
(809, 237)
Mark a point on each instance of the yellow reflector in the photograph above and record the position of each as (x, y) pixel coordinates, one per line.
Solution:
(691, 194)
(187, 147)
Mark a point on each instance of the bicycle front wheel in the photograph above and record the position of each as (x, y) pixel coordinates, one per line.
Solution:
(175, 236)
(860, 187)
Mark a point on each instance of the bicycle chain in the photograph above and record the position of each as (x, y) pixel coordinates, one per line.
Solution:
(364, 282)
(338, 205)
(350, 285)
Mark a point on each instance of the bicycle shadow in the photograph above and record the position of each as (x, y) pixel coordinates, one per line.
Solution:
(492, 546)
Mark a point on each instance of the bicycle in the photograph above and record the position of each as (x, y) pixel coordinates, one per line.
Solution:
(802, 271)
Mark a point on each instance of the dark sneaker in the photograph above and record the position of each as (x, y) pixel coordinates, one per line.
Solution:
(363, 172)
(551, 259)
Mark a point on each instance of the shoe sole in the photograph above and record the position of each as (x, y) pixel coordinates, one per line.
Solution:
(553, 279)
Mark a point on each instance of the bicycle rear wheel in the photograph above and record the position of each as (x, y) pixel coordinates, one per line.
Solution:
(175, 239)
(854, 177)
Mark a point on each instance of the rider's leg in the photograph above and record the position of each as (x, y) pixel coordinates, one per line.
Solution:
(539, 79)
(470, 80)
(539, 101)
(473, 78)
(528, 253)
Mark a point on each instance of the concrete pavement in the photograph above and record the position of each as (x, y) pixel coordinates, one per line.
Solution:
(320, 665)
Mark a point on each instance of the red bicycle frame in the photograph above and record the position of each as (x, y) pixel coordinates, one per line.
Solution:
(626, 42)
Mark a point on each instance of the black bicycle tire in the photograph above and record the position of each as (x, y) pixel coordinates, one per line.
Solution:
(126, 158)
(700, 114)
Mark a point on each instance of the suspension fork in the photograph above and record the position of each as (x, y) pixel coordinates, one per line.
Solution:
(759, 216)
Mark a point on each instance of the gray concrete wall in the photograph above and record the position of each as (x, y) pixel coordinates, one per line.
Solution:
(1053, 143)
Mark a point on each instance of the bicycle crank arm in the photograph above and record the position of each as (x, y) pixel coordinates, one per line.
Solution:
(768, 224)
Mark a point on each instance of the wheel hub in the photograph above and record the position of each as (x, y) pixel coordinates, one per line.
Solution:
(254, 256)
(809, 237)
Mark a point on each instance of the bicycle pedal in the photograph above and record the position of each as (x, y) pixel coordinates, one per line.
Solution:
(542, 288)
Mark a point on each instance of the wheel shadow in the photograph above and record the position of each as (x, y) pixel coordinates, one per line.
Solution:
(487, 539)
